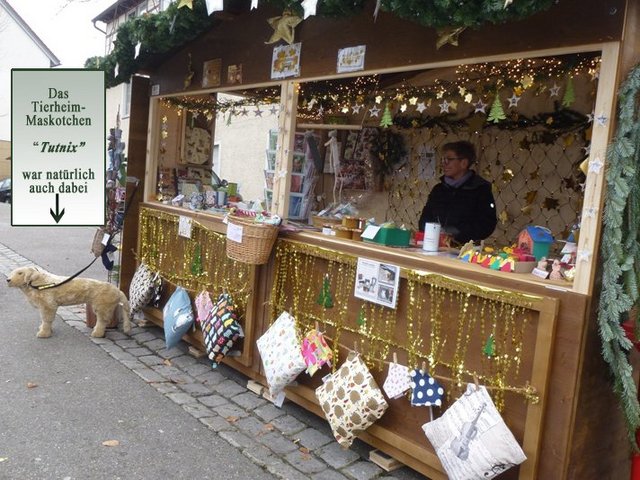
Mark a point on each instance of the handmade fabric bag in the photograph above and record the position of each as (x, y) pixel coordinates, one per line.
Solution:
(220, 329)
(398, 380)
(143, 286)
(178, 317)
(351, 400)
(315, 351)
(204, 305)
(427, 392)
(471, 439)
(281, 353)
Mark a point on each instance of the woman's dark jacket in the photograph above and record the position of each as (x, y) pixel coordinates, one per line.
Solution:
(468, 212)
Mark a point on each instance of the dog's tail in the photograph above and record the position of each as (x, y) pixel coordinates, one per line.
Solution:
(125, 313)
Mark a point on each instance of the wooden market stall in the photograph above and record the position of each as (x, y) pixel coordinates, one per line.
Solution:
(546, 374)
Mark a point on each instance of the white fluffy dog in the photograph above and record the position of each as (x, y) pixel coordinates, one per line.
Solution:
(105, 299)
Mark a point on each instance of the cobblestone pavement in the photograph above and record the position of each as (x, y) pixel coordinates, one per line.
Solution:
(288, 442)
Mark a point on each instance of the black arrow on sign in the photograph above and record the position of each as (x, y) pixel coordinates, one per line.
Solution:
(58, 215)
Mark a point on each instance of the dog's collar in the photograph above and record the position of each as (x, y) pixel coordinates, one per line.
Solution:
(42, 287)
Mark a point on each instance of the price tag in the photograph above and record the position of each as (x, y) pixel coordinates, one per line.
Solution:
(184, 227)
(370, 232)
(234, 232)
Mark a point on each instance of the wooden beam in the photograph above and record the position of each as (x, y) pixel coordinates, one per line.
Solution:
(284, 152)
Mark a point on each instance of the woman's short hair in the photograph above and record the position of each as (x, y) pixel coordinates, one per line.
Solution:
(462, 149)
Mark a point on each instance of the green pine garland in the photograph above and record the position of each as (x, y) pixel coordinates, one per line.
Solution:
(620, 249)
(166, 31)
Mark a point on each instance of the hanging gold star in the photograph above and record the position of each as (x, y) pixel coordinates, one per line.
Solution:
(527, 81)
(283, 27)
(186, 3)
(449, 35)
(503, 217)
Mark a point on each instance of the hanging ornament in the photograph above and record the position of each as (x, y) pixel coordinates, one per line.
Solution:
(569, 94)
(377, 10)
(497, 113)
(481, 107)
(137, 50)
(324, 298)
(214, 6)
(444, 106)
(310, 7)
(196, 263)
(513, 100)
(356, 108)
(254, 4)
(555, 90)
(489, 348)
(595, 166)
(186, 3)
(421, 107)
(449, 35)
(527, 81)
(386, 120)
(361, 317)
(283, 27)
(190, 73)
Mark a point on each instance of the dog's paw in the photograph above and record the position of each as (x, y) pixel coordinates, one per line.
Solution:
(96, 334)
(43, 334)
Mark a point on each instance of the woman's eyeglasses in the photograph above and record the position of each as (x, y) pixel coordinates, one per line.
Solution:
(446, 160)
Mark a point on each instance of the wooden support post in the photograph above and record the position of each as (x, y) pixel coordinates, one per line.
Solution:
(384, 461)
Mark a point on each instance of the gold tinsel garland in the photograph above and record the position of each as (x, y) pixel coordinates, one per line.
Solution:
(432, 302)
(164, 251)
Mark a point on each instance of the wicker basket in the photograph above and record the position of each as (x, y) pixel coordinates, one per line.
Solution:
(257, 241)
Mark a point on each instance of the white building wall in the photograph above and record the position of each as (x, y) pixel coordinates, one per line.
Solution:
(17, 50)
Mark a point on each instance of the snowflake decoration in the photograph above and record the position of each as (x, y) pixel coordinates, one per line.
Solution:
(601, 119)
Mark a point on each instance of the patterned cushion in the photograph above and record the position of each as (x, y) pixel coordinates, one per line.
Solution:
(471, 439)
(220, 329)
(143, 286)
(315, 351)
(204, 305)
(351, 400)
(398, 380)
(178, 317)
(281, 353)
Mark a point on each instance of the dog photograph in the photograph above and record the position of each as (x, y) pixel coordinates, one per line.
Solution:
(46, 292)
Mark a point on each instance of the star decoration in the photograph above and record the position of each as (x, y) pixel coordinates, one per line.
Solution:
(403, 107)
(444, 107)
(257, 112)
(513, 100)
(374, 112)
(399, 97)
(595, 166)
(527, 81)
(320, 110)
(462, 91)
(356, 108)
(503, 217)
(244, 112)
(413, 100)
(531, 196)
(345, 109)
(590, 117)
(468, 97)
(587, 150)
(453, 105)
(440, 94)
(310, 7)
(378, 99)
(590, 212)
(550, 203)
(186, 3)
(555, 90)
(449, 35)
(480, 106)
(273, 110)
(283, 27)
(584, 255)
(507, 3)
(254, 4)
(311, 103)
(601, 119)
(421, 107)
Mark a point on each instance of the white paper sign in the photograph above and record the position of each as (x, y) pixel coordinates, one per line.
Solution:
(286, 61)
(370, 232)
(184, 227)
(351, 59)
(234, 232)
(377, 282)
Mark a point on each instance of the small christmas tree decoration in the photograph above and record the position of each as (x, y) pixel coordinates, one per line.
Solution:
(489, 348)
(569, 94)
(361, 318)
(497, 112)
(196, 263)
(324, 298)
(386, 120)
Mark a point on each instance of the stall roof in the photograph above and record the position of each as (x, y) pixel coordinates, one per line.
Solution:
(116, 9)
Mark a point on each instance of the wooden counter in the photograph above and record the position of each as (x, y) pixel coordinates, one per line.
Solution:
(445, 310)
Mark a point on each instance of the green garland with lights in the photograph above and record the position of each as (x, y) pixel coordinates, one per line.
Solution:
(620, 249)
(166, 31)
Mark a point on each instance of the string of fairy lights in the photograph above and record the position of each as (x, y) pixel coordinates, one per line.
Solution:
(371, 96)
